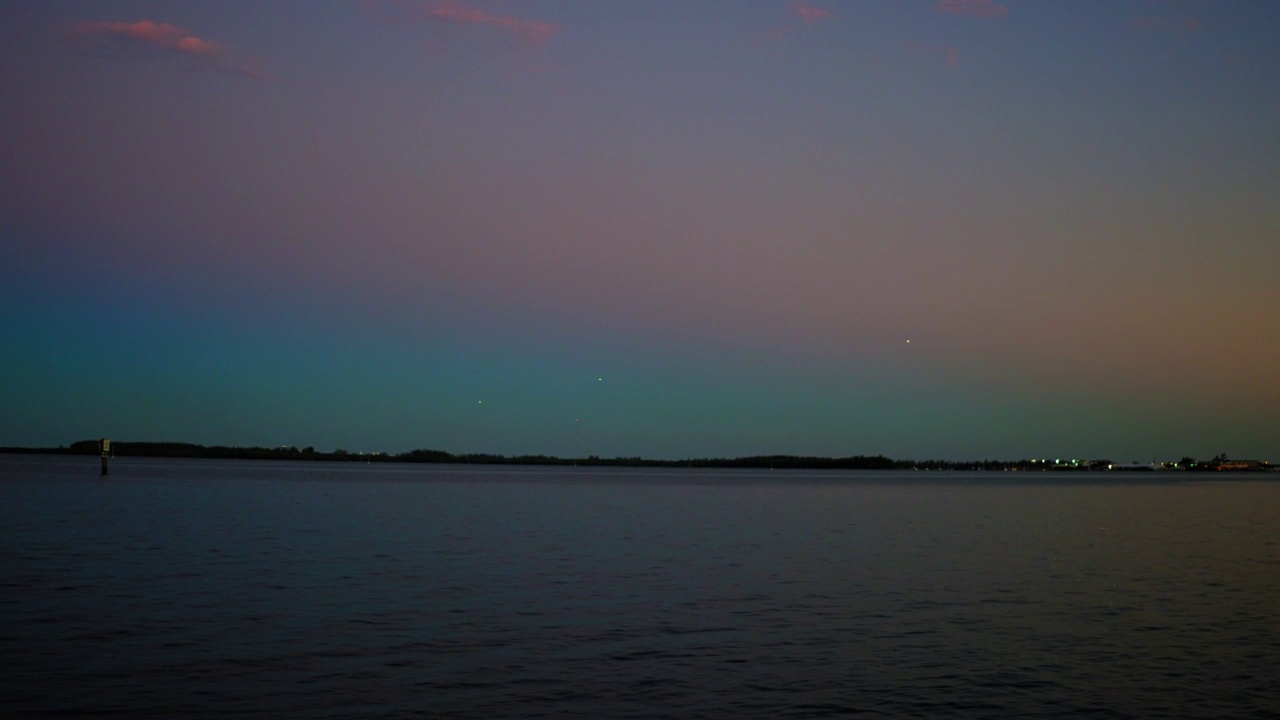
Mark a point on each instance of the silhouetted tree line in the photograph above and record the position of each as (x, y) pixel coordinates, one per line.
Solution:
(778, 462)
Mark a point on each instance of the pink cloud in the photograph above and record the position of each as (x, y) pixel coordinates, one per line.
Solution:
(1170, 25)
(972, 8)
(767, 37)
(947, 53)
(167, 37)
(777, 32)
(160, 34)
(810, 14)
(452, 11)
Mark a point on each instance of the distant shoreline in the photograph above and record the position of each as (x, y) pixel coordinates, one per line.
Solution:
(788, 462)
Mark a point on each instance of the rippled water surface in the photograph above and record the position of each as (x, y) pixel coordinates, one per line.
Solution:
(223, 589)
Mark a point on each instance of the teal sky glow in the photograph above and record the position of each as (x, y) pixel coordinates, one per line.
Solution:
(660, 228)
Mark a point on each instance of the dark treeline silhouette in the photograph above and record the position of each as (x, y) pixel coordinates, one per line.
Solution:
(778, 462)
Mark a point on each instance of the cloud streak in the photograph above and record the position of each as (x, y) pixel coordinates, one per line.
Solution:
(948, 53)
(163, 36)
(451, 11)
(972, 8)
(810, 14)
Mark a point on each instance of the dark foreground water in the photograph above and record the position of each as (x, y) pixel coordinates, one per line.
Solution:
(224, 589)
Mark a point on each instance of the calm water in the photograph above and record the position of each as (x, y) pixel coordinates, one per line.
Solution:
(223, 589)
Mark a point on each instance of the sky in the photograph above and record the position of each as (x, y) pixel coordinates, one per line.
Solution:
(953, 229)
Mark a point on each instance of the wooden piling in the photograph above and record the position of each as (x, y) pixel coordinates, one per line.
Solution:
(106, 451)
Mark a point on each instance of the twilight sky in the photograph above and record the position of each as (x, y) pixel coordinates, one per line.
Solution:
(669, 228)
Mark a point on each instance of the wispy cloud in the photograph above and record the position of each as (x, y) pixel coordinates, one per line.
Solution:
(947, 53)
(810, 14)
(799, 10)
(451, 11)
(156, 33)
(171, 38)
(972, 8)
(1170, 25)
